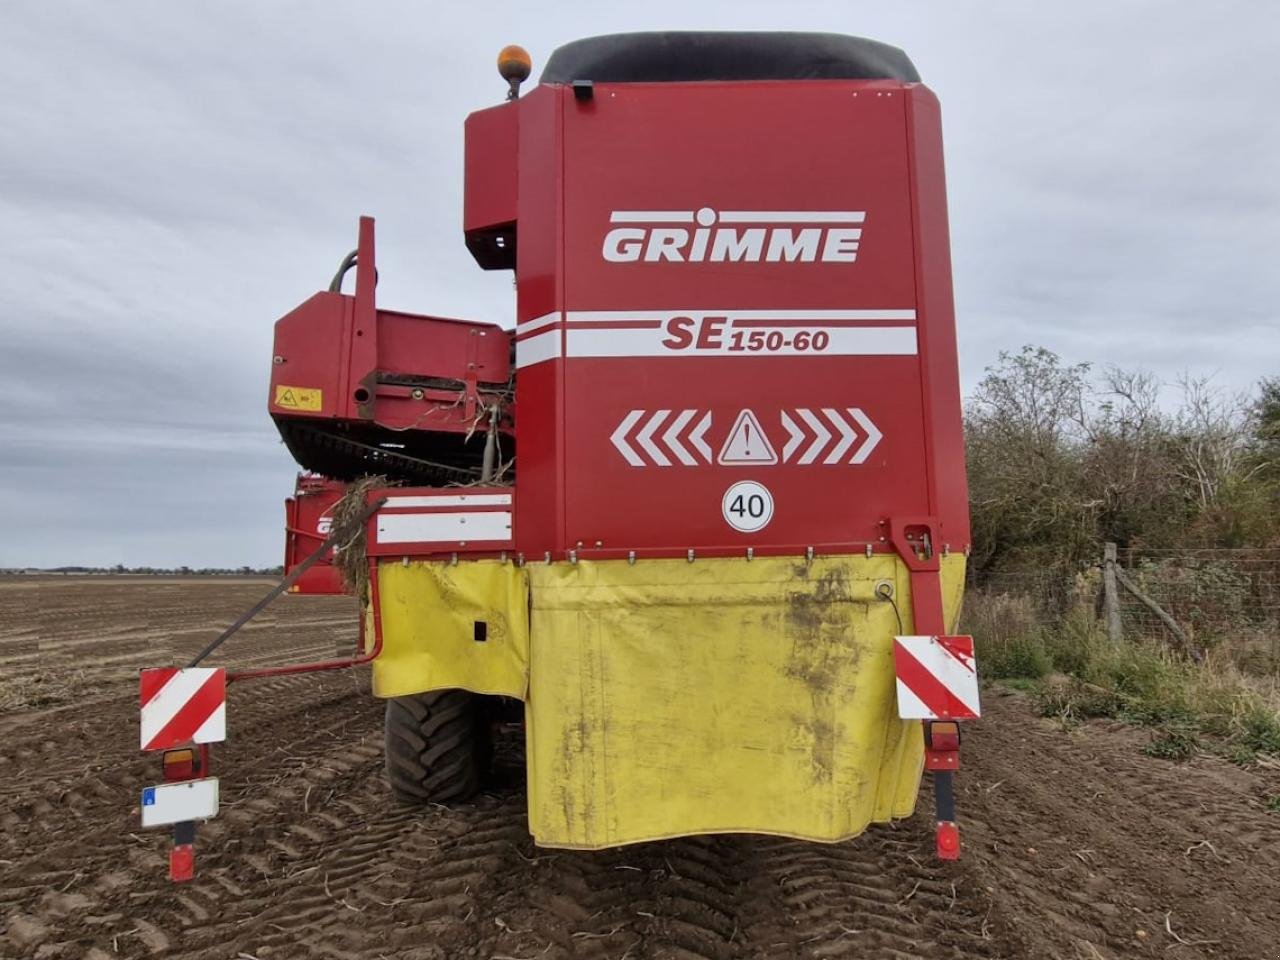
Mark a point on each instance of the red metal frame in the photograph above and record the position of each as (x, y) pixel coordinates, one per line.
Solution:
(346, 355)
(322, 665)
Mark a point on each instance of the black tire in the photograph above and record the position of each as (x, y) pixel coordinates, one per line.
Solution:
(437, 746)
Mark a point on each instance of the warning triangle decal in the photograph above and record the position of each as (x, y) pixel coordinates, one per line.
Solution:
(747, 443)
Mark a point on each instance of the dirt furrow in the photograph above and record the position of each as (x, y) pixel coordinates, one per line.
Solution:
(1077, 845)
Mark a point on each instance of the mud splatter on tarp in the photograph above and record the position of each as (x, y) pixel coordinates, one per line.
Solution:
(817, 622)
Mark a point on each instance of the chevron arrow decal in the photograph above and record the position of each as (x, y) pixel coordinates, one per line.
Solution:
(652, 445)
(873, 436)
(835, 436)
(619, 438)
(820, 436)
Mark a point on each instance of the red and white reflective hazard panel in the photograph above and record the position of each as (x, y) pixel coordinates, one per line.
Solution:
(937, 678)
(183, 706)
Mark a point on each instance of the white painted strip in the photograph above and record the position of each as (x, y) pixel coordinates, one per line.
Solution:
(537, 323)
(873, 433)
(173, 696)
(671, 437)
(444, 528)
(950, 672)
(793, 216)
(911, 707)
(450, 500)
(695, 437)
(794, 436)
(842, 342)
(544, 346)
(847, 436)
(619, 438)
(782, 313)
(213, 730)
(820, 436)
(651, 216)
(645, 438)
(169, 803)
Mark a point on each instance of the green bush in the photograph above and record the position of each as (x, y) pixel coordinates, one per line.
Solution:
(1260, 729)
(1178, 743)
(1072, 700)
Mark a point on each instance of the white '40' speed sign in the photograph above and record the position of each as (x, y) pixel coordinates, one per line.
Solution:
(747, 506)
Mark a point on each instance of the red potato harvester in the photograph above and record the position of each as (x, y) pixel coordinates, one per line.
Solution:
(715, 562)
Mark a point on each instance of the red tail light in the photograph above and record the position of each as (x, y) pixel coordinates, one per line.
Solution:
(181, 764)
(943, 736)
(948, 838)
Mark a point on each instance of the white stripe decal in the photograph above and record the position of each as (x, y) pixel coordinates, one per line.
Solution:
(793, 216)
(820, 436)
(537, 323)
(695, 437)
(651, 216)
(645, 438)
(461, 500)
(671, 437)
(870, 430)
(781, 313)
(842, 342)
(544, 346)
(444, 528)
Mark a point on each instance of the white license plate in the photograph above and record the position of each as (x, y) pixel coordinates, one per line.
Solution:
(177, 802)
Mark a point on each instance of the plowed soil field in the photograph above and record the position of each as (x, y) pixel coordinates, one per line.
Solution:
(1076, 844)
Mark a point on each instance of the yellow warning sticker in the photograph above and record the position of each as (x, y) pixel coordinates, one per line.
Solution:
(299, 398)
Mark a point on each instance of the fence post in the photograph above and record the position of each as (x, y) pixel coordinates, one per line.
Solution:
(1110, 593)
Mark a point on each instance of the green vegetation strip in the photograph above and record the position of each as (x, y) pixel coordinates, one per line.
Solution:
(1076, 673)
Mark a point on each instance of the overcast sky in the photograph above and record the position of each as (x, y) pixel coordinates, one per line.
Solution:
(174, 177)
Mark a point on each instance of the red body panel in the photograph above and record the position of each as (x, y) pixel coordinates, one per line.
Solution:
(308, 518)
(489, 200)
(824, 320)
(539, 521)
(944, 427)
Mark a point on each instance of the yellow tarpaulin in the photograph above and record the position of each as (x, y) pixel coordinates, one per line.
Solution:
(668, 698)
(429, 613)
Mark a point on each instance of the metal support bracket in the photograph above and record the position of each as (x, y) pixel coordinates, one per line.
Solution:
(913, 538)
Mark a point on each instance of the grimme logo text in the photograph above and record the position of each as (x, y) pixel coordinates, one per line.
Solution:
(770, 236)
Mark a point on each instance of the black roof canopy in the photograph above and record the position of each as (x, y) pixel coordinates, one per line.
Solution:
(726, 55)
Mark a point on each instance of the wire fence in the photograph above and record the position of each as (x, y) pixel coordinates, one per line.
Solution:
(1222, 600)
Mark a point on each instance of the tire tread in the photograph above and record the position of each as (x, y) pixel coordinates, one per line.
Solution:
(436, 746)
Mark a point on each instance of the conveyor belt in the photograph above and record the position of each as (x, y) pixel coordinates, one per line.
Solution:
(415, 457)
